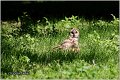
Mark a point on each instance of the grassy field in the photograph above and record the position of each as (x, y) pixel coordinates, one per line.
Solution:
(26, 49)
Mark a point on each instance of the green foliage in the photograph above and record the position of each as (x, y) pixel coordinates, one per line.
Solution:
(33, 50)
(100, 50)
(27, 24)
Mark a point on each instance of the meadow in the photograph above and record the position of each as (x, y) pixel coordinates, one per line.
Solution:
(27, 49)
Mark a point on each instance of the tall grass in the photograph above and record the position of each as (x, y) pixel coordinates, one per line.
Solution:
(31, 49)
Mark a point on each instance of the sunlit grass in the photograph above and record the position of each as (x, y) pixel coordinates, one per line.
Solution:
(33, 52)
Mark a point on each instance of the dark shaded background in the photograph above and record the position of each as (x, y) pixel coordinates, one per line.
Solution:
(89, 9)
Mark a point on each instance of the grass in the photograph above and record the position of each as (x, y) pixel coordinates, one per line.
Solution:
(30, 50)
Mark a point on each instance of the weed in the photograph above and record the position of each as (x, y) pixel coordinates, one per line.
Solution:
(32, 51)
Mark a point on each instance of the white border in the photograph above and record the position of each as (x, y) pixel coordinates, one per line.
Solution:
(62, 0)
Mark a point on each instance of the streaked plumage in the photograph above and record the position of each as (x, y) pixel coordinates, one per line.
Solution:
(72, 42)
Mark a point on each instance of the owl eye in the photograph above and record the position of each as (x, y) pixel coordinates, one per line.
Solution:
(72, 32)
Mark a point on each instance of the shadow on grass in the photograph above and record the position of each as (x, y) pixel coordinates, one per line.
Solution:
(69, 56)
(48, 57)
